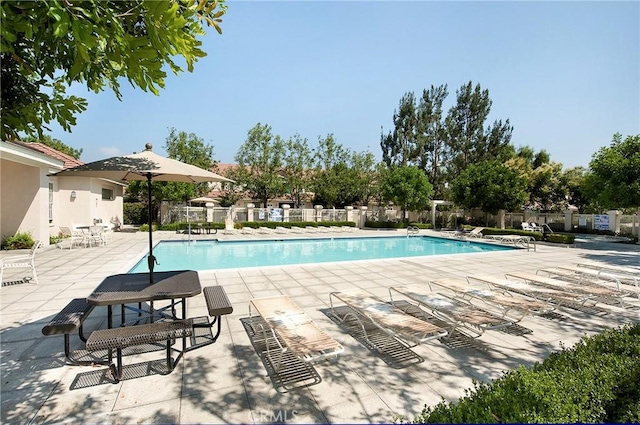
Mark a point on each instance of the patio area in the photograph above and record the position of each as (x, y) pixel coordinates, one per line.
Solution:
(227, 382)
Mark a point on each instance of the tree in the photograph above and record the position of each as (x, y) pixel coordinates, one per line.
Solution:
(468, 141)
(407, 187)
(260, 162)
(48, 45)
(432, 135)
(399, 147)
(297, 168)
(613, 180)
(572, 179)
(56, 144)
(491, 186)
(546, 186)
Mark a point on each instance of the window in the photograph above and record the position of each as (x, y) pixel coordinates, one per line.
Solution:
(50, 202)
(107, 194)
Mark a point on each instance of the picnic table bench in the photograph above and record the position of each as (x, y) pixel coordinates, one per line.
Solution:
(218, 305)
(70, 320)
(119, 338)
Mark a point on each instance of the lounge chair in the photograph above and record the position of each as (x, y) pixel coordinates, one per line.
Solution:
(21, 262)
(293, 330)
(518, 241)
(366, 309)
(507, 303)
(324, 229)
(476, 232)
(625, 275)
(247, 231)
(549, 282)
(265, 230)
(296, 229)
(455, 312)
(556, 296)
(282, 230)
(591, 278)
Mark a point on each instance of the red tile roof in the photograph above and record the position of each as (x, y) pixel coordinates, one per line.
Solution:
(68, 160)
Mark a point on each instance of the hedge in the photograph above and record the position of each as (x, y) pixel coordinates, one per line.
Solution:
(597, 380)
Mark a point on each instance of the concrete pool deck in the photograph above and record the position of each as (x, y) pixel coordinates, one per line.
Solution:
(227, 382)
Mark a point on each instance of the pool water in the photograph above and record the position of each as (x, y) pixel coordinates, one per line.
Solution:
(213, 254)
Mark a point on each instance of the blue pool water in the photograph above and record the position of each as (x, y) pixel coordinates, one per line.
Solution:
(212, 254)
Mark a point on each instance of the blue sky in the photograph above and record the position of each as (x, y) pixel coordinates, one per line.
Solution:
(566, 74)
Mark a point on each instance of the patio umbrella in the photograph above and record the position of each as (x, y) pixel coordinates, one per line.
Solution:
(148, 166)
(202, 200)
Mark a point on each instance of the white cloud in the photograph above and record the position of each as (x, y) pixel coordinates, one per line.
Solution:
(109, 151)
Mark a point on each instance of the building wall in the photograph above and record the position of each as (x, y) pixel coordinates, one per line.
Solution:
(87, 205)
(25, 200)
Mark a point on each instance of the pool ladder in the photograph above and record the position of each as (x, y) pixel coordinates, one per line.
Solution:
(412, 230)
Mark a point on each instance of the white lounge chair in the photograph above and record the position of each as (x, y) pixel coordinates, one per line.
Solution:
(292, 330)
(265, 230)
(455, 312)
(556, 284)
(282, 230)
(21, 262)
(507, 303)
(366, 310)
(556, 296)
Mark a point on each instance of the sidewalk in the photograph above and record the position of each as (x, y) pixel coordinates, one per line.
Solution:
(227, 382)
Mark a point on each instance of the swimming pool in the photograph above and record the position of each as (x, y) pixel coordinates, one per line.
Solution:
(213, 254)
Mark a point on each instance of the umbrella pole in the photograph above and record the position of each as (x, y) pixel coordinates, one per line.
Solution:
(151, 260)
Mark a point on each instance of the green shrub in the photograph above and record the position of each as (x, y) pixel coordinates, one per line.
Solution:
(21, 240)
(134, 213)
(288, 224)
(145, 227)
(560, 238)
(385, 224)
(422, 225)
(597, 380)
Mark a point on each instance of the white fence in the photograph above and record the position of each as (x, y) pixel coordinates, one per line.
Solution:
(623, 224)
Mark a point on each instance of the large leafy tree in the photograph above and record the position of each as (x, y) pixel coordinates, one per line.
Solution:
(55, 144)
(548, 189)
(408, 187)
(342, 177)
(431, 136)
(399, 146)
(491, 186)
(260, 161)
(614, 177)
(468, 140)
(298, 162)
(48, 45)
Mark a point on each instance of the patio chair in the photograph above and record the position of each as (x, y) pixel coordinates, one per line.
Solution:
(265, 230)
(368, 310)
(456, 313)
(296, 229)
(96, 236)
(591, 278)
(70, 238)
(507, 303)
(623, 275)
(22, 262)
(292, 330)
(282, 230)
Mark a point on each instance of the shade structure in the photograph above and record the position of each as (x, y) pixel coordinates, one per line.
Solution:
(202, 200)
(148, 166)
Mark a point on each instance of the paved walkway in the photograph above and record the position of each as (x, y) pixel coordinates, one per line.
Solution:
(227, 382)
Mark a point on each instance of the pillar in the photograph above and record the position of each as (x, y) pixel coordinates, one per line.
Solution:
(285, 212)
(318, 209)
(349, 210)
(209, 206)
(250, 208)
(568, 220)
(614, 221)
(363, 217)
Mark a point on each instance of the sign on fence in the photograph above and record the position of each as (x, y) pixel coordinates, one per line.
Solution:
(601, 222)
(275, 214)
